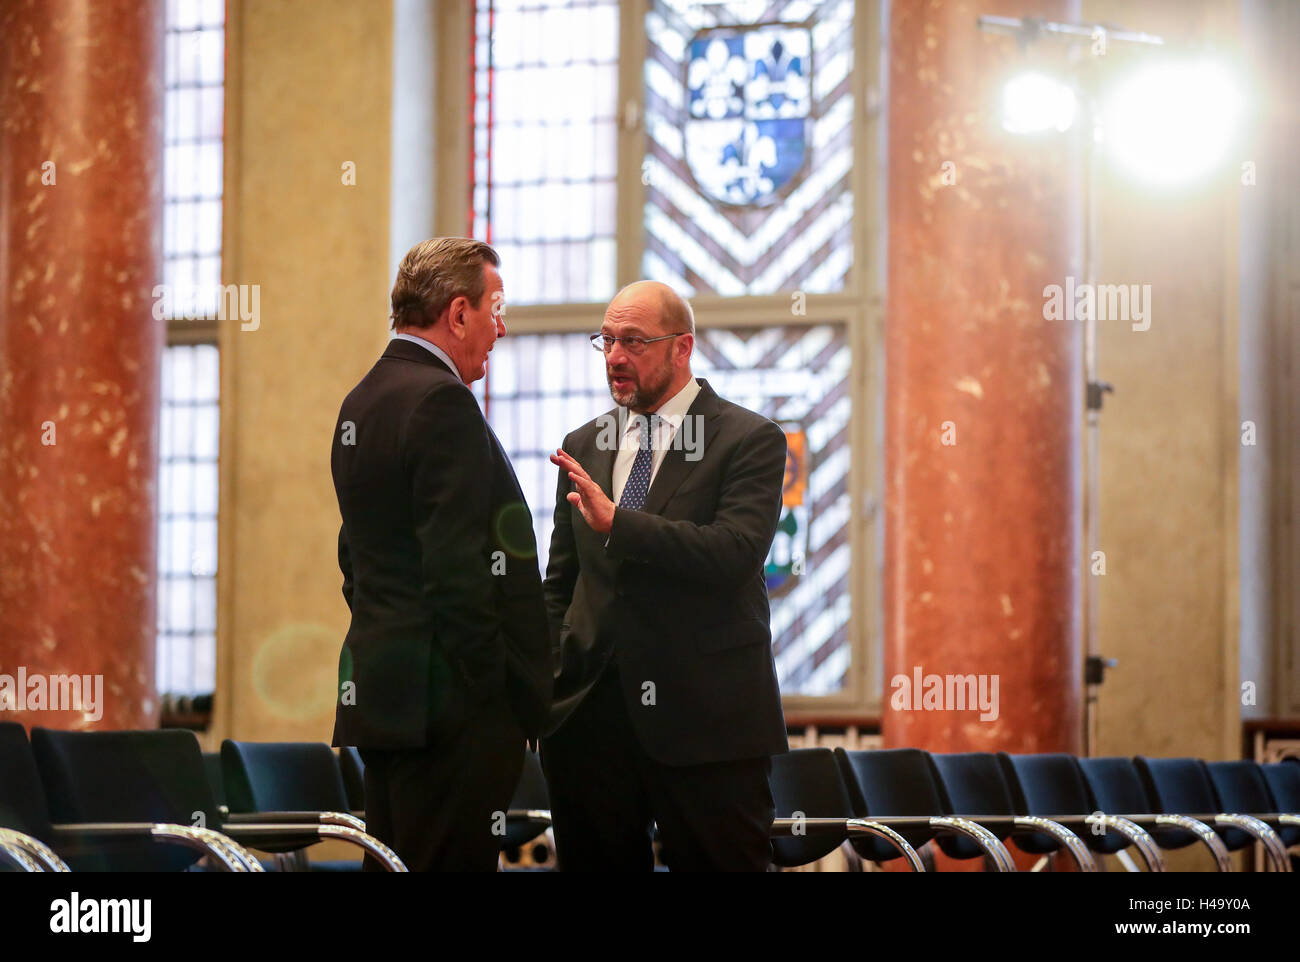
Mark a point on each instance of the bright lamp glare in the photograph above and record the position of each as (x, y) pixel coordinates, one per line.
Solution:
(1034, 103)
(1171, 123)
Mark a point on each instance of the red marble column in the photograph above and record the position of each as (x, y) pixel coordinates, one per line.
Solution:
(983, 396)
(81, 99)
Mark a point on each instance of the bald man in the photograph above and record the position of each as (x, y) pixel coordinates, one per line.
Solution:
(666, 708)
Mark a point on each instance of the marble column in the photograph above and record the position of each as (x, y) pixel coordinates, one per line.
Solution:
(983, 397)
(81, 106)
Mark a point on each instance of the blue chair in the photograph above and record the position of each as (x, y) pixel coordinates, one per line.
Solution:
(1240, 786)
(1184, 785)
(1116, 788)
(1051, 785)
(815, 814)
(973, 786)
(113, 795)
(896, 787)
(272, 784)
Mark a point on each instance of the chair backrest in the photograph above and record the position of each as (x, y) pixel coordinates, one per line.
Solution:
(971, 783)
(1182, 786)
(127, 776)
(1045, 784)
(807, 781)
(1242, 788)
(890, 782)
(353, 770)
(22, 797)
(216, 782)
(1114, 786)
(1283, 780)
(282, 777)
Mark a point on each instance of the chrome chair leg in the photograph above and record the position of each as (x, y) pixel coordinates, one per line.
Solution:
(1273, 846)
(1066, 838)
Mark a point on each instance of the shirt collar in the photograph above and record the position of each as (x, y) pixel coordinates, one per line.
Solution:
(673, 411)
(432, 348)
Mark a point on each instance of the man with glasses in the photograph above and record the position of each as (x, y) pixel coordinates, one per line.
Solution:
(667, 710)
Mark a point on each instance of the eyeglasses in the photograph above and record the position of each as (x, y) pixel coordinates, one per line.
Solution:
(633, 345)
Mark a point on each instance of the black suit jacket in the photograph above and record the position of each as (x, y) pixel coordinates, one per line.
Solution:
(439, 561)
(678, 592)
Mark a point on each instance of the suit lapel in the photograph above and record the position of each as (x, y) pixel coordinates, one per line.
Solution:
(675, 468)
(601, 463)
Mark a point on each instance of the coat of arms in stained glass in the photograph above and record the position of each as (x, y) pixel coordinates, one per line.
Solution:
(749, 97)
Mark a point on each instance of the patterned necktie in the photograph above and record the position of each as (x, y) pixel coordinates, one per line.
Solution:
(638, 482)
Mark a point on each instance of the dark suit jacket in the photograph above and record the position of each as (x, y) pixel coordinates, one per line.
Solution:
(679, 591)
(438, 559)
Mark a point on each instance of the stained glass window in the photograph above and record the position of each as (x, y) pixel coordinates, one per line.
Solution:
(542, 386)
(799, 377)
(545, 96)
(748, 113)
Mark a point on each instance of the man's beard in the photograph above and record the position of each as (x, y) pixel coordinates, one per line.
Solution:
(643, 395)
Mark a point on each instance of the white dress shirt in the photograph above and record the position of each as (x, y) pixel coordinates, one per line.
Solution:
(671, 414)
(437, 352)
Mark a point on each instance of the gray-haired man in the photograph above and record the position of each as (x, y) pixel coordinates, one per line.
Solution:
(446, 668)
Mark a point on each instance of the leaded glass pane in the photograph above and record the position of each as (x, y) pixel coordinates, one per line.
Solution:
(748, 118)
(545, 145)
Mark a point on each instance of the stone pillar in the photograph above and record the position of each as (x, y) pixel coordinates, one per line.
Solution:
(983, 396)
(81, 107)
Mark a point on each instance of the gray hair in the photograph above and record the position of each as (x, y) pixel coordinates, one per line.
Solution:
(434, 273)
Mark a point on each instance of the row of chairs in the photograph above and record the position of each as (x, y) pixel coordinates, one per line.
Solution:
(886, 804)
(290, 779)
(101, 800)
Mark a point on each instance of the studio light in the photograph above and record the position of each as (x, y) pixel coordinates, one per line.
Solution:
(1034, 103)
(1170, 123)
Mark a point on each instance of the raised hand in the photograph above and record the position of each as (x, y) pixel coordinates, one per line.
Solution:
(596, 509)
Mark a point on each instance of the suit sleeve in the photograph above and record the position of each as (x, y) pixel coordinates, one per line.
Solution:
(562, 560)
(733, 546)
(345, 565)
(446, 451)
